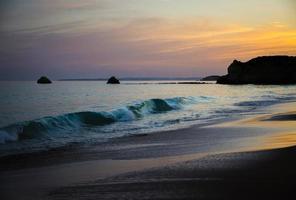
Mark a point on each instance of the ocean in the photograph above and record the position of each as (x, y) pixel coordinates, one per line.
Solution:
(37, 118)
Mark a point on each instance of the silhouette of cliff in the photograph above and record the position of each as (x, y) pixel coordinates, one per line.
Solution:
(262, 70)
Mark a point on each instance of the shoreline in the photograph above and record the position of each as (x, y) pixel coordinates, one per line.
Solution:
(63, 169)
(84, 152)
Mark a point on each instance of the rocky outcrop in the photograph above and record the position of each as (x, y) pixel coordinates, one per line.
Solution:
(262, 70)
(113, 80)
(44, 80)
(210, 78)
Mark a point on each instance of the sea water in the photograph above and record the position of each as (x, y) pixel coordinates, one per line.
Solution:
(37, 117)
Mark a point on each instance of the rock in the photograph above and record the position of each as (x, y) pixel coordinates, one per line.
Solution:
(210, 78)
(44, 80)
(262, 70)
(113, 80)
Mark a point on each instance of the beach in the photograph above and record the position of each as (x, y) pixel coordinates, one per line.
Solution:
(251, 157)
(147, 100)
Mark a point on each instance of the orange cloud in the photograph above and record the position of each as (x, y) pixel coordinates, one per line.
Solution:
(218, 41)
(197, 46)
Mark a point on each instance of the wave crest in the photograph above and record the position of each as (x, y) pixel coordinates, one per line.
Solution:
(71, 121)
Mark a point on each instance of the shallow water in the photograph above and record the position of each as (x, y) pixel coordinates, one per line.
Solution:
(40, 117)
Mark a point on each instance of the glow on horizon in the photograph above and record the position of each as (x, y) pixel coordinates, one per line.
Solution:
(98, 38)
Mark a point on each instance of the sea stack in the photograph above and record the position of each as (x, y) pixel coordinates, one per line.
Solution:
(113, 80)
(44, 80)
(264, 70)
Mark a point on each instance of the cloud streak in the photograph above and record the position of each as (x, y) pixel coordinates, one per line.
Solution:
(90, 40)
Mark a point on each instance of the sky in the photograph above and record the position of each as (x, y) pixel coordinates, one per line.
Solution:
(139, 38)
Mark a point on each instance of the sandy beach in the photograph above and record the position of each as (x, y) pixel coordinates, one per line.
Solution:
(147, 100)
(249, 158)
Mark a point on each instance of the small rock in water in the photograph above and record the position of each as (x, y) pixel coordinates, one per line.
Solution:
(113, 80)
(44, 80)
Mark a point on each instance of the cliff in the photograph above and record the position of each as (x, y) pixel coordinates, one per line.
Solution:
(262, 70)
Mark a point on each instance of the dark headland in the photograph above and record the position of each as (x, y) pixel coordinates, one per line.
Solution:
(262, 70)
(210, 78)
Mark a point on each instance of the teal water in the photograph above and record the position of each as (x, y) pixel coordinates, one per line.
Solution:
(40, 117)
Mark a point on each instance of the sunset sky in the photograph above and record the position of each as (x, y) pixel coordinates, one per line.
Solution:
(139, 38)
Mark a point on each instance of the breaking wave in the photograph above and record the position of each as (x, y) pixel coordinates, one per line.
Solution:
(79, 120)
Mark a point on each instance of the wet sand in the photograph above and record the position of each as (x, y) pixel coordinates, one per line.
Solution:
(245, 159)
(250, 175)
